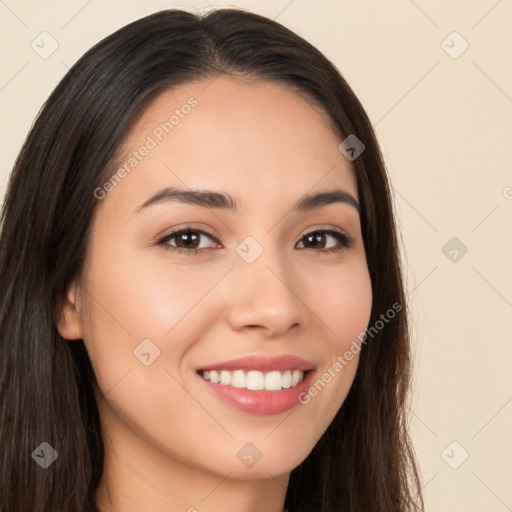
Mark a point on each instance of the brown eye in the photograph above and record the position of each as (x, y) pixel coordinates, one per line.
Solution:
(187, 240)
(323, 241)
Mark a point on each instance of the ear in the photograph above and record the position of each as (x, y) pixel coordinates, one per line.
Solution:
(69, 324)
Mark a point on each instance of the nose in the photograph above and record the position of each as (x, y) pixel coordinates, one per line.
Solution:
(265, 297)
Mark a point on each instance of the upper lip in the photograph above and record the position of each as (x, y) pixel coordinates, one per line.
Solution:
(262, 364)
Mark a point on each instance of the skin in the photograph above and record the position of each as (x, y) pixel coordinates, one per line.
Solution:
(171, 444)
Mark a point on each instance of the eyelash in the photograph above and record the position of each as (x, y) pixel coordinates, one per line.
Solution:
(344, 240)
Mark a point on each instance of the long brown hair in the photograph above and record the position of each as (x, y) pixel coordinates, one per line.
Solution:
(364, 461)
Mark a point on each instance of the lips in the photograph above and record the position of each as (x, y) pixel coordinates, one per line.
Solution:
(262, 364)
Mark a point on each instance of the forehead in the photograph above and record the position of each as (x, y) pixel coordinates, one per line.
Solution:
(244, 137)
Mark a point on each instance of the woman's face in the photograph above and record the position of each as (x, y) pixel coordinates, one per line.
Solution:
(268, 279)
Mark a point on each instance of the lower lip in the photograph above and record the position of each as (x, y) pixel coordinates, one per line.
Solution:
(261, 402)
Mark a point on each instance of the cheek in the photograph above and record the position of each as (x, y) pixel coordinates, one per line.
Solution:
(341, 298)
(171, 305)
(131, 299)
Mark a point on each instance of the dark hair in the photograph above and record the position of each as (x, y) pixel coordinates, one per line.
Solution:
(365, 460)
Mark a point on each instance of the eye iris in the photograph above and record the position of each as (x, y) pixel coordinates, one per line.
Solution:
(314, 238)
(188, 239)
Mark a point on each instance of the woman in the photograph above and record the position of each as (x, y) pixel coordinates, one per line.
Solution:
(202, 301)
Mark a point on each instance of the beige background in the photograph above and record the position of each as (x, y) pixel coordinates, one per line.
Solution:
(445, 128)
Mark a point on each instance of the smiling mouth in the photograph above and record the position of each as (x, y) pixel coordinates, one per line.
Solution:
(254, 380)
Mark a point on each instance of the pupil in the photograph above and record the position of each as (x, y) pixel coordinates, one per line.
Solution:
(186, 239)
(315, 238)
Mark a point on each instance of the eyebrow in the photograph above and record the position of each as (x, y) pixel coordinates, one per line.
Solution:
(218, 200)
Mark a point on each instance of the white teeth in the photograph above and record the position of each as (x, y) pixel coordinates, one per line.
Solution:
(225, 378)
(287, 379)
(273, 381)
(238, 379)
(254, 380)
